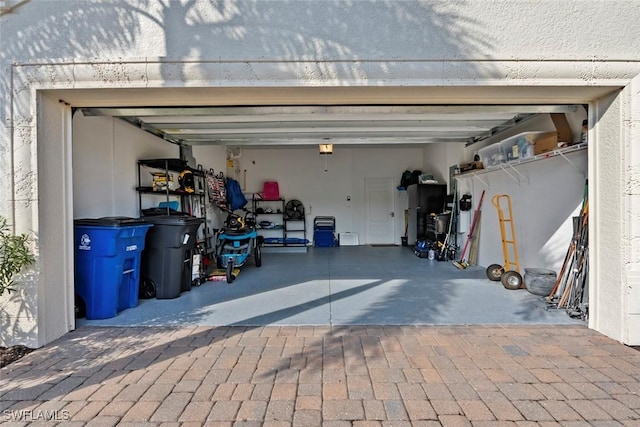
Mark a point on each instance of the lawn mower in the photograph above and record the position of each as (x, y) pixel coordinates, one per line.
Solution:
(237, 241)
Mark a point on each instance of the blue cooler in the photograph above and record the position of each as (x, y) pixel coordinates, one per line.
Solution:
(324, 228)
(107, 263)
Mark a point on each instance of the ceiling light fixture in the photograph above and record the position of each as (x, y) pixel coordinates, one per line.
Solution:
(326, 148)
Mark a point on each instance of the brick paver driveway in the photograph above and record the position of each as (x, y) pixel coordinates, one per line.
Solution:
(307, 376)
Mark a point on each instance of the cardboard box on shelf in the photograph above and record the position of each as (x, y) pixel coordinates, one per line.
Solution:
(550, 141)
(466, 167)
(547, 141)
(565, 135)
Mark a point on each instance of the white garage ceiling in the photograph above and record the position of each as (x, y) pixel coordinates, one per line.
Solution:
(340, 115)
(339, 124)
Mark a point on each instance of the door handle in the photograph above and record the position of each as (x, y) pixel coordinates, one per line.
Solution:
(392, 214)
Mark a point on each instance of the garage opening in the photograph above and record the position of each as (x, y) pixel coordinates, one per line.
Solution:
(371, 269)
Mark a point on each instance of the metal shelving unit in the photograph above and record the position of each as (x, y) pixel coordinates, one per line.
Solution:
(190, 203)
(277, 214)
(288, 229)
(295, 231)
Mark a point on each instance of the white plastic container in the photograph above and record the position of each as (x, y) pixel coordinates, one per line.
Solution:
(520, 146)
(348, 239)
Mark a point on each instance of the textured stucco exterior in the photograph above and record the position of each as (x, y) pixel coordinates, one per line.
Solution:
(82, 48)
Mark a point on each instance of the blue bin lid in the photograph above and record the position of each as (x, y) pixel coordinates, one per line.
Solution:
(110, 221)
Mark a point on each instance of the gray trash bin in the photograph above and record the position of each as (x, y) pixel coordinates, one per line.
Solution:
(168, 254)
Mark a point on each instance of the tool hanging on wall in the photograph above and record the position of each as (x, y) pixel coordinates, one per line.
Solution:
(217, 189)
(462, 263)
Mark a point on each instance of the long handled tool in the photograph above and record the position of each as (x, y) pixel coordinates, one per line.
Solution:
(571, 287)
(462, 264)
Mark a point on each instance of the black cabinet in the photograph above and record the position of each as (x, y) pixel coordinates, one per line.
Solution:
(424, 200)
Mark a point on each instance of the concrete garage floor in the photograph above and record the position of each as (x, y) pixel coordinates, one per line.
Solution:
(355, 285)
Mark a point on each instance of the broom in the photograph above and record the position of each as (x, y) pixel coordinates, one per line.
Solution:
(462, 264)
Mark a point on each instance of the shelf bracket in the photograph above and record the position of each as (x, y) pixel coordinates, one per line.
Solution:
(471, 175)
(511, 166)
(571, 163)
(486, 184)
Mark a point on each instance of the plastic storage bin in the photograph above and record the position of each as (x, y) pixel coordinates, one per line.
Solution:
(348, 239)
(520, 146)
(107, 263)
(167, 259)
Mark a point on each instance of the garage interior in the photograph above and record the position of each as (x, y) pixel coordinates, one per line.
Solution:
(373, 279)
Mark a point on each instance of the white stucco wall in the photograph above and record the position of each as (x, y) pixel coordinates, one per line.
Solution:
(105, 168)
(76, 45)
(631, 219)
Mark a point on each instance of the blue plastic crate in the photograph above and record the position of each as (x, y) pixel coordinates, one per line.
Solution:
(324, 239)
(107, 264)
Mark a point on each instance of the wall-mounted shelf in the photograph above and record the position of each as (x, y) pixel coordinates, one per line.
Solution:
(510, 168)
(150, 190)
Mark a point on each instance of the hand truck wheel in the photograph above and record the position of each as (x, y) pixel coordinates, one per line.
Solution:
(494, 272)
(512, 280)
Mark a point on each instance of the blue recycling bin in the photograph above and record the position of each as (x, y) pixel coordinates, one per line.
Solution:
(107, 263)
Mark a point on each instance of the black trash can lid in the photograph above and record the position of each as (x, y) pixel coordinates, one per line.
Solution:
(161, 212)
(184, 219)
(110, 221)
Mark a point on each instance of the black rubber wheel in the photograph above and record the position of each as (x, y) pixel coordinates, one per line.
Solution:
(257, 255)
(230, 276)
(80, 307)
(512, 280)
(494, 272)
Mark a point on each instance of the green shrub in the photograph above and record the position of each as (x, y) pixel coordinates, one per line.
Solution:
(14, 256)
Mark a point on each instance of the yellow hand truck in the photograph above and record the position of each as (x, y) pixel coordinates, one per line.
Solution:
(509, 273)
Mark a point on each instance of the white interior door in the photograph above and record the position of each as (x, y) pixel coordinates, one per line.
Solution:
(379, 210)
